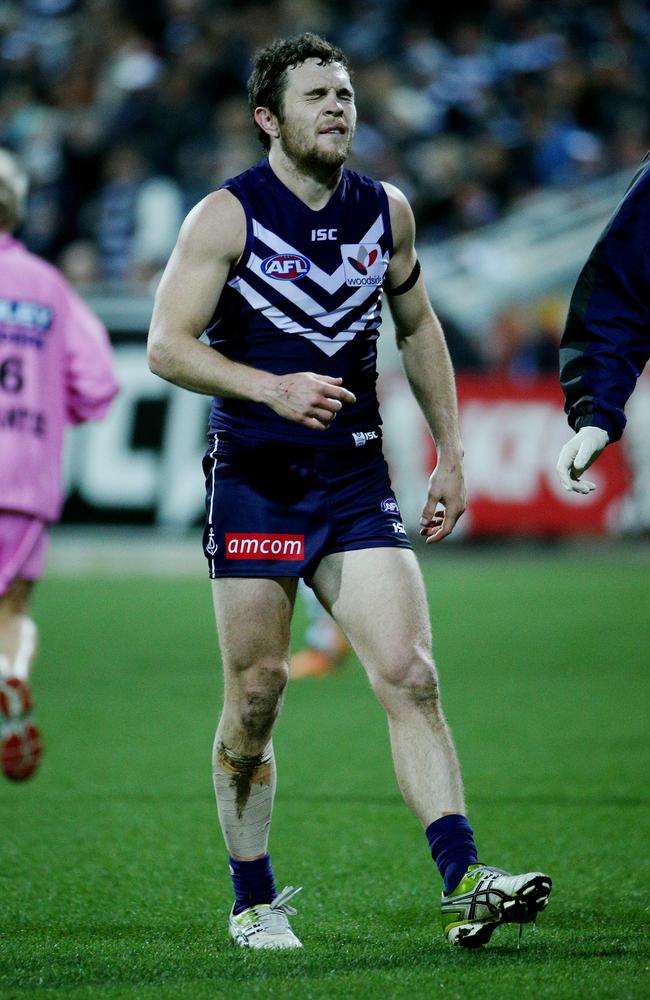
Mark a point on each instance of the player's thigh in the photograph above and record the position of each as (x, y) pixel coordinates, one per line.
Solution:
(378, 598)
(253, 616)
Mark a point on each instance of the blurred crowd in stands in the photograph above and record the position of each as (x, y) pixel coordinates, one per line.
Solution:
(126, 114)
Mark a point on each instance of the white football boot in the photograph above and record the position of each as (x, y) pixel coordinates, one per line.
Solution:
(488, 897)
(266, 925)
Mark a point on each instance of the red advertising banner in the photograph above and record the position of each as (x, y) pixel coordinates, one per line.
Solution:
(513, 432)
(142, 464)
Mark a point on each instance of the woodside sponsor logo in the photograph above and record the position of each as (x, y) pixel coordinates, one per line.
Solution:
(363, 264)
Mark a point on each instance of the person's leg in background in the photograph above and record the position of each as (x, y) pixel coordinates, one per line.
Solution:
(22, 548)
(326, 646)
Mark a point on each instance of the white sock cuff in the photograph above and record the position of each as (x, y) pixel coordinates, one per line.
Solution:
(26, 649)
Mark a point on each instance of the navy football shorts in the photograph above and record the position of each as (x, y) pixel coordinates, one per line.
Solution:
(277, 510)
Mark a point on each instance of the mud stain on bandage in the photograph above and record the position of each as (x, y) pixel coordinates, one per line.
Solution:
(244, 772)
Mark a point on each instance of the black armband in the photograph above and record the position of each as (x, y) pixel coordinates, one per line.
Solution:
(408, 284)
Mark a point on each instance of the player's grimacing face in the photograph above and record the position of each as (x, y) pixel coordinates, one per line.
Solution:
(319, 115)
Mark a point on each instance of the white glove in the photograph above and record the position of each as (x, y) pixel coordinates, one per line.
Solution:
(577, 455)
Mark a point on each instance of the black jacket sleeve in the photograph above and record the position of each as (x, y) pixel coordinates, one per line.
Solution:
(606, 340)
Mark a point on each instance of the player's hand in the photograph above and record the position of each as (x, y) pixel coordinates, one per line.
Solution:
(577, 455)
(446, 502)
(308, 399)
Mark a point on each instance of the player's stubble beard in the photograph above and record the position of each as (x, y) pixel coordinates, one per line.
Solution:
(307, 158)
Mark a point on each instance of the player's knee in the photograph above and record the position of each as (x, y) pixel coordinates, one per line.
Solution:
(413, 677)
(261, 697)
(422, 686)
(258, 712)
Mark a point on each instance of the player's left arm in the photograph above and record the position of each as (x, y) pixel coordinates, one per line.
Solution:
(428, 369)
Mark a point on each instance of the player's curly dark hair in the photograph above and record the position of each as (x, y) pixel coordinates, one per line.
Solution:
(267, 82)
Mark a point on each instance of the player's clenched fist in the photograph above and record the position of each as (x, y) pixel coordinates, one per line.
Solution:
(308, 399)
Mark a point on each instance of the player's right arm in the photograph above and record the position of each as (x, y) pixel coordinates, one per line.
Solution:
(210, 243)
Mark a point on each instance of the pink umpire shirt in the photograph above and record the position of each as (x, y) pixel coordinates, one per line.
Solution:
(56, 368)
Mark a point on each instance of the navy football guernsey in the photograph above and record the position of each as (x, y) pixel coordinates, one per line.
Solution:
(306, 296)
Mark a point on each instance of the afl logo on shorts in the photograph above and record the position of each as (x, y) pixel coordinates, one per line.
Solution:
(389, 506)
(285, 266)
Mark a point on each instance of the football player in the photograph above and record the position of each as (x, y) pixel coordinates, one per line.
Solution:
(284, 268)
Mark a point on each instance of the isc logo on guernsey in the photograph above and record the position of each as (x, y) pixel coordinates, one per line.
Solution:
(285, 266)
(258, 545)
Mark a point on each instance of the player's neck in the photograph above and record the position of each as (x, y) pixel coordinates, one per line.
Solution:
(312, 187)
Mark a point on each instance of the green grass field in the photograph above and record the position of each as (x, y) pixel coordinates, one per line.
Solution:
(113, 879)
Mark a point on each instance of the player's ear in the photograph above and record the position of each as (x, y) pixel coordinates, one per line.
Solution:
(267, 121)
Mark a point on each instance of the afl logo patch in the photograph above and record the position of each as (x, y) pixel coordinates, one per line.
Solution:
(285, 266)
(389, 506)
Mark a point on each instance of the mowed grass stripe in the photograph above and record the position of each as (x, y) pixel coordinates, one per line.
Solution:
(113, 881)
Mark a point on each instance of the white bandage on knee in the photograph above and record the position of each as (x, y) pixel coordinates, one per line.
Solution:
(245, 788)
(26, 649)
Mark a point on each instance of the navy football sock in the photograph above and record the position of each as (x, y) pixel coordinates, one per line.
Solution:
(252, 881)
(451, 840)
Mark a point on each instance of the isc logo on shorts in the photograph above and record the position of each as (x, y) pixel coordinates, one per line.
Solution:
(257, 545)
